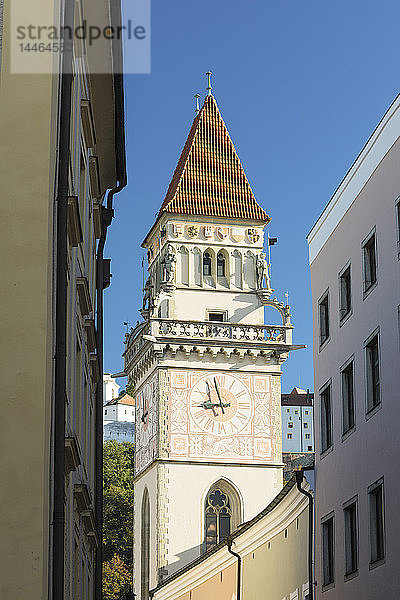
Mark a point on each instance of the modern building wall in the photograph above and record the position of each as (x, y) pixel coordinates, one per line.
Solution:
(365, 203)
(29, 130)
(297, 421)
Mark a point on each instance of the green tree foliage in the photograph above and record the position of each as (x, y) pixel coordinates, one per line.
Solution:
(116, 578)
(130, 389)
(118, 465)
(117, 507)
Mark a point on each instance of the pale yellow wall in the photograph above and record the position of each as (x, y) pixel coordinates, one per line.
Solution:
(220, 587)
(274, 567)
(278, 567)
(27, 141)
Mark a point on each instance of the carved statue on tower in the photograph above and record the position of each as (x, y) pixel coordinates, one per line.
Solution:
(168, 265)
(262, 272)
(147, 295)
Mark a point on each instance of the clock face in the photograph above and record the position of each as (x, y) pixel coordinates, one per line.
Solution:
(220, 404)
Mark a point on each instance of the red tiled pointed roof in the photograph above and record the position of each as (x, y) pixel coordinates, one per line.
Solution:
(209, 178)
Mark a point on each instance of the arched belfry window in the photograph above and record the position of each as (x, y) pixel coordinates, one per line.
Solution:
(206, 264)
(220, 265)
(145, 547)
(222, 513)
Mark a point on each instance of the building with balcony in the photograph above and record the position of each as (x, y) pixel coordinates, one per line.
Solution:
(355, 278)
(62, 160)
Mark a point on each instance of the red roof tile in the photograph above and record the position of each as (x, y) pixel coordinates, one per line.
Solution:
(209, 179)
(125, 399)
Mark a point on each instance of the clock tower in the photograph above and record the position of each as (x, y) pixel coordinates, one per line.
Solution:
(205, 366)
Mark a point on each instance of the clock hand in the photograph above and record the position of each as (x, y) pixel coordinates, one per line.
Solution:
(219, 396)
(208, 404)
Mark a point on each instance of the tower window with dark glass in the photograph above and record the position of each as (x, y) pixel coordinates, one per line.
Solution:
(206, 264)
(220, 266)
(218, 517)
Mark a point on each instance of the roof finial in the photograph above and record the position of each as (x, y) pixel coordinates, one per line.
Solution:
(197, 96)
(209, 88)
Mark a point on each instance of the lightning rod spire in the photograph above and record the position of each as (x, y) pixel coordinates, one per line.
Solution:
(209, 88)
(197, 96)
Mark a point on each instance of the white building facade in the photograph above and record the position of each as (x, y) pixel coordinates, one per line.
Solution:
(206, 367)
(297, 421)
(110, 388)
(118, 412)
(354, 257)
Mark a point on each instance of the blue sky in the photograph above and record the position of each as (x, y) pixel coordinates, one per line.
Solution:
(301, 86)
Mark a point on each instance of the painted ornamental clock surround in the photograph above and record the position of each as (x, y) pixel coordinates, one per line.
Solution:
(205, 366)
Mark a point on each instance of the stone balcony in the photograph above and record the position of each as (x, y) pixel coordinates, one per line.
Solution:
(205, 336)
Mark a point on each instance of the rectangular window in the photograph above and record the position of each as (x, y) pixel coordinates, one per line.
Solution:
(326, 418)
(344, 293)
(308, 436)
(216, 316)
(305, 425)
(328, 558)
(369, 261)
(372, 372)
(347, 377)
(306, 412)
(290, 425)
(323, 310)
(376, 522)
(351, 537)
(290, 436)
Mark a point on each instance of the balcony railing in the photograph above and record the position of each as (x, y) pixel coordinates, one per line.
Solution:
(169, 328)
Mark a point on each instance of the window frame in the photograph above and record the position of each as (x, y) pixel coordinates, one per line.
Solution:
(221, 260)
(375, 562)
(216, 311)
(324, 521)
(348, 549)
(397, 217)
(370, 409)
(324, 297)
(206, 257)
(344, 316)
(326, 449)
(235, 502)
(349, 362)
(367, 288)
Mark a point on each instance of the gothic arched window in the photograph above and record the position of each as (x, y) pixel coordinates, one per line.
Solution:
(222, 513)
(220, 265)
(206, 264)
(145, 547)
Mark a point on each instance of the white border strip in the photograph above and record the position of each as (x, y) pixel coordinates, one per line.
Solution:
(382, 139)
